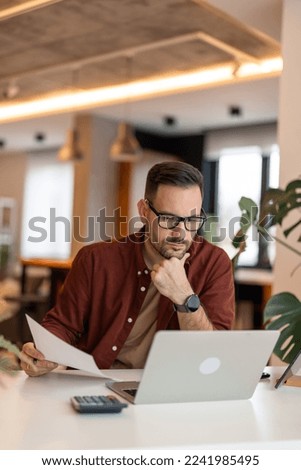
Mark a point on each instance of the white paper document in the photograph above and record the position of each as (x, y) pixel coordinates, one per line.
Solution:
(57, 350)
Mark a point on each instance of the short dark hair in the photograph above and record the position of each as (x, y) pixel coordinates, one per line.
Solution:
(174, 174)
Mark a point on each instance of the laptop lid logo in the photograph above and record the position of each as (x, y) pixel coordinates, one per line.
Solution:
(210, 365)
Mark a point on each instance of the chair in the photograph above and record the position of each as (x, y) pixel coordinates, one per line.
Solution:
(33, 299)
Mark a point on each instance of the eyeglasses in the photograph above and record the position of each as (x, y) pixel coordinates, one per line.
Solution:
(169, 221)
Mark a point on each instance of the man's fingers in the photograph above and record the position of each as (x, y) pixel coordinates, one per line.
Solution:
(33, 361)
(30, 350)
(185, 258)
(39, 368)
(168, 263)
(37, 363)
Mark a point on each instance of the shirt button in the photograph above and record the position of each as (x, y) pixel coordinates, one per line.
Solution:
(142, 288)
(130, 320)
(145, 271)
(114, 348)
(139, 273)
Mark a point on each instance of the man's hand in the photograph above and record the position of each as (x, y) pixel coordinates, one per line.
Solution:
(33, 362)
(170, 279)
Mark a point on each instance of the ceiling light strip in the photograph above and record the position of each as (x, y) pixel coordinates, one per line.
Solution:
(134, 90)
(111, 95)
(265, 67)
(25, 7)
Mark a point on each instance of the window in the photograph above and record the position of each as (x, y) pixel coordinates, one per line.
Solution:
(273, 182)
(238, 172)
(47, 208)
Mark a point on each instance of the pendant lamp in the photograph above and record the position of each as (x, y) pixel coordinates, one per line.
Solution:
(126, 147)
(70, 150)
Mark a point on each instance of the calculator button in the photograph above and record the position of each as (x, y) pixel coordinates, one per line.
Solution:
(97, 404)
(89, 399)
(97, 399)
(79, 399)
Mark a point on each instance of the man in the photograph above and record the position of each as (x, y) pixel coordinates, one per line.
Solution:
(118, 294)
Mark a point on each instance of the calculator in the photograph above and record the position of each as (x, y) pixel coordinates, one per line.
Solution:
(97, 404)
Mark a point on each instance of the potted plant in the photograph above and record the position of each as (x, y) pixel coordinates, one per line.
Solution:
(9, 353)
(283, 310)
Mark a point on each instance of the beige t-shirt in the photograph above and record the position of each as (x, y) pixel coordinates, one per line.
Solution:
(135, 350)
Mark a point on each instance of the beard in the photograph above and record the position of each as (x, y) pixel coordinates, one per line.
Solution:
(172, 247)
(169, 247)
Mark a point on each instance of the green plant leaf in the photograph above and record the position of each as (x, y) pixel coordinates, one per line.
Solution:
(249, 208)
(249, 212)
(6, 344)
(283, 312)
(241, 249)
(8, 363)
(290, 229)
(278, 203)
(8, 366)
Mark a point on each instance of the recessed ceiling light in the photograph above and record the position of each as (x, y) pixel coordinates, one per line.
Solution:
(235, 111)
(40, 137)
(170, 121)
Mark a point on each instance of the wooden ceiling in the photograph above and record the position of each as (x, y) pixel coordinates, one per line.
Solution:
(79, 44)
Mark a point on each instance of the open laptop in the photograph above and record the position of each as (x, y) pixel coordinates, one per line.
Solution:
(194, 366)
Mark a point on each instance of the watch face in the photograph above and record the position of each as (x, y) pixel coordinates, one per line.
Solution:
(193, 303)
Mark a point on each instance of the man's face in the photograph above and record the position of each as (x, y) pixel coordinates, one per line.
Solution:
(176, 201)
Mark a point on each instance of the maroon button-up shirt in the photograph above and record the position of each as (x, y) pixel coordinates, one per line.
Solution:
(106, 286)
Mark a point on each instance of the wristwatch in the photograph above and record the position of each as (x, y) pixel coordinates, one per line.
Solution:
(191, 304)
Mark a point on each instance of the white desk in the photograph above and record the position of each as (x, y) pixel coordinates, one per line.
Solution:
(35, 414)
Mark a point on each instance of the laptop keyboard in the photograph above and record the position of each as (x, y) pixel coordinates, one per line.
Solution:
(131, 391)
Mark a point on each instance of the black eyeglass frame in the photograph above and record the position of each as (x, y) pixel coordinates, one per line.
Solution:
(179, 219)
